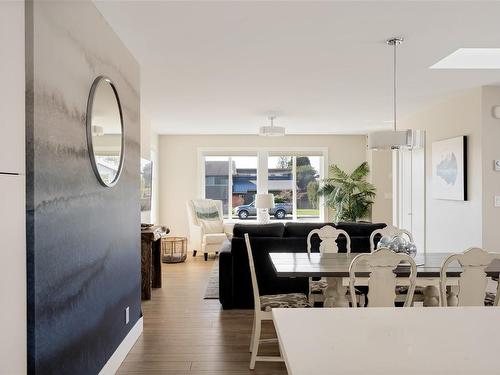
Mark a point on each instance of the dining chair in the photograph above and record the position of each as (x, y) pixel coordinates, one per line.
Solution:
(263, 310)
(328, 236)
(382, 280)
(390, 231)
(473, 279)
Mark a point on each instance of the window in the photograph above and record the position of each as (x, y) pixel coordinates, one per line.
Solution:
(292, 177)
(294, 182)
(233, 180)
(244, 186)
(217, 179)
(307, 177)
(280, 183)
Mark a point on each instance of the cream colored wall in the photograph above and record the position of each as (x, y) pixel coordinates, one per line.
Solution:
(381, 176)
(453, 225)
(491, 178)
(179, 164)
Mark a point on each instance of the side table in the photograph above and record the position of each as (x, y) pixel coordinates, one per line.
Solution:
(151, 259)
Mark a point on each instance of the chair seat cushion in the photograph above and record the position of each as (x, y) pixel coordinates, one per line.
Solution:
(404, 290)
(318, 286)
(489, 300)
(291, 300)
(212, 226)
(215, 238)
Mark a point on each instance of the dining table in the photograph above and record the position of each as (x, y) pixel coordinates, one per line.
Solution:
(334, 267)
(389, 341)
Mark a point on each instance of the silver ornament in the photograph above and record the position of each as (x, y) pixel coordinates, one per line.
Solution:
(411, 250)
(393, 246)
(399, 241)
(384, 242)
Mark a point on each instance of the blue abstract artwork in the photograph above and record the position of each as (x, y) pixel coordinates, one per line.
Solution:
(449, 169)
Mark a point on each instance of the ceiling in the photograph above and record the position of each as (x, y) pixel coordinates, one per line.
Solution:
(322, 67)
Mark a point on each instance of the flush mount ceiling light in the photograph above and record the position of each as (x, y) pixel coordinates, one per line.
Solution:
(394, 139)
(470, 58)
(272, 131)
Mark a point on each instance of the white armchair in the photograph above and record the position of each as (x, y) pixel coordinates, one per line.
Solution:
(207, 235)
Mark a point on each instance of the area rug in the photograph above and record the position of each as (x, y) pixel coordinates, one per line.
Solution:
(212, 291)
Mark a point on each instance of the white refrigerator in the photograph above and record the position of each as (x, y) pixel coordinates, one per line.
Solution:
(13, 344)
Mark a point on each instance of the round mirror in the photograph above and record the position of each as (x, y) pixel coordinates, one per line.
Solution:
(105, 131)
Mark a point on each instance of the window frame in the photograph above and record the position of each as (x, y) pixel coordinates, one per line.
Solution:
(262, 154)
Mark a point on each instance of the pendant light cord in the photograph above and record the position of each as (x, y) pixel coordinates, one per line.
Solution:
(395, 85)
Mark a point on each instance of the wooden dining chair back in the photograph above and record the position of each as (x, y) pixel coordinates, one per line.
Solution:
(382, 281)
(263, 310)
(328, 236)
(389, 231)
(253, 275)
(473, 279)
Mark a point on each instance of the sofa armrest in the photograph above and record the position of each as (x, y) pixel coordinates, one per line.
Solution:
(228, 229)
(226, 276)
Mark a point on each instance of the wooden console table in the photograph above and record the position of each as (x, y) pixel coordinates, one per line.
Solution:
(151, 259)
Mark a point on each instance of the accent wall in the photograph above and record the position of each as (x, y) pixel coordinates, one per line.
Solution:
(83, 239)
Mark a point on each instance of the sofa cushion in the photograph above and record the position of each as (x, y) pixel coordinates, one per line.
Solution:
(259, 230)
(359, 229)
(301, 229)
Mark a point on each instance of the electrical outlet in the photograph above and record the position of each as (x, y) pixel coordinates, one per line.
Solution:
(497, 200)
(127, 315)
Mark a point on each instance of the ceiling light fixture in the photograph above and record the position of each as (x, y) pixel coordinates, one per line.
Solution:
(470, 58)
(272, 131)
(394, 139)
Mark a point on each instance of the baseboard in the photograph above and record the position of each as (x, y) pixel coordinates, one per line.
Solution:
(111, 367)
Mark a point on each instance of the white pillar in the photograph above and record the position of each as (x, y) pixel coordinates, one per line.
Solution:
(262, 175)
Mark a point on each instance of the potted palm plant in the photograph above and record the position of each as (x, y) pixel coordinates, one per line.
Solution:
(350, 195)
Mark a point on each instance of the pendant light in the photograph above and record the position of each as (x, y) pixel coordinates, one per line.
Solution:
(272, 131)
(395, 139)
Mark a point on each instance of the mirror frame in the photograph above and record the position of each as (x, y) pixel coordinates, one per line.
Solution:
(90, 105)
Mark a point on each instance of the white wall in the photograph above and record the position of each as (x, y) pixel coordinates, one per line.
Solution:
(179, 164)
(491, 179)
(452, 225)
(149, 151)
(13, 358)
(12, 86)
(381, 176)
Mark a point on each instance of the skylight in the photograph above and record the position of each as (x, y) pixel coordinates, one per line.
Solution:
(470, 58)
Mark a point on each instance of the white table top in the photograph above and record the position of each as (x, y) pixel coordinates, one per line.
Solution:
(385, 341)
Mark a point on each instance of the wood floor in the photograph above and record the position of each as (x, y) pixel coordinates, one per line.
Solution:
(185, 334)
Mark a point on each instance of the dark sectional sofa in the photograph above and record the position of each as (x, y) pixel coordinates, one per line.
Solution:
(235, 287)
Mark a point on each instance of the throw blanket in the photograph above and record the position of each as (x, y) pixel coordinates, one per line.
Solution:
(206, 209)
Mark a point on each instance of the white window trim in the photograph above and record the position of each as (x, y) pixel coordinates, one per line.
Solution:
(262, 154)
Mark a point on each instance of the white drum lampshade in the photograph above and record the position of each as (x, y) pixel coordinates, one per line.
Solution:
(263, 202)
